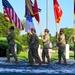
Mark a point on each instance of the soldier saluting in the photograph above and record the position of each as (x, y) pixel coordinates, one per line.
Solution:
(11, 44)
(61, 46)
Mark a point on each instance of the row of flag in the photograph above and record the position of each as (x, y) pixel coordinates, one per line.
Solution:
(11, 14)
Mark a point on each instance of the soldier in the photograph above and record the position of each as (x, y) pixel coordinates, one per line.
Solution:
(28, 37)
(11, 43)
(46, 41)
(61, 46)
(33, 52)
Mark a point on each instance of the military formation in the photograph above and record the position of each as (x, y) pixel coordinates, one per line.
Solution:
(33, 46)
(33, 41)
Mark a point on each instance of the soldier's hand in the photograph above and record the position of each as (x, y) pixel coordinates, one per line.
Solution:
(25, 15)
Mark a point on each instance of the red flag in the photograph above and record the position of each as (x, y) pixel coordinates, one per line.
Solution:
(36, 11)
(57, 11)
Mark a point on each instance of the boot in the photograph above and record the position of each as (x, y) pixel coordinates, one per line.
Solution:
(40, 64)
(48, 63)
(58, 62)
(7, 60)
(31, 64)
(65, 62)
(15, 62)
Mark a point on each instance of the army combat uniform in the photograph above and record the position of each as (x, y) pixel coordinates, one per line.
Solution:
(61, 46)
(46, 41)
(33, 46)
(11, 44)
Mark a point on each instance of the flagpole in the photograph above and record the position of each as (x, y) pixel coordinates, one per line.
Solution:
(47, 13)
(74, 30)
(40, 29)
(56, 32)
(74, 37)
(58, 14)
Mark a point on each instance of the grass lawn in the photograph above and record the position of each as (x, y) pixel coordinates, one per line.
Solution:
(24, 56)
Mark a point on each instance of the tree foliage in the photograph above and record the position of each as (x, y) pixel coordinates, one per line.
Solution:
(5, 25)
(68, 33)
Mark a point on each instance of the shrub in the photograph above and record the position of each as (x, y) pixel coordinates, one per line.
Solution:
(71, 46)
(25, 48)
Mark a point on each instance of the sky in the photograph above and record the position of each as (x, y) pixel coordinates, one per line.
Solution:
(66, 20)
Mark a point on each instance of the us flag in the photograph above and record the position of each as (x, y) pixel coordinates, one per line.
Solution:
(11, 14)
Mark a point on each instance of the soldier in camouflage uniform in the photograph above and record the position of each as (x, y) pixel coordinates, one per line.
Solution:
(61, 47)
(28, 39)
(33, 46)
(46, 41)
(11, 44)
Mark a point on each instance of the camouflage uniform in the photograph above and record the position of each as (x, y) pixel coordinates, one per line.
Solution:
(61, 46)
(33, 46)
(46, 41)
(11, 44)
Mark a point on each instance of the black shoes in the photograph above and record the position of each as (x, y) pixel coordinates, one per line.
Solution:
(61, 63)
(58, 63)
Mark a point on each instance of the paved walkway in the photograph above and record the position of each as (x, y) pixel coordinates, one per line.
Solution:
(22, 68)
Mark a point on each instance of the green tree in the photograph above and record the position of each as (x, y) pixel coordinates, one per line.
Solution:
(68, 33)
(4, 25)
(24, 39)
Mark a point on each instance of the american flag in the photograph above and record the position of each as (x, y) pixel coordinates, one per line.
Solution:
(11, 14)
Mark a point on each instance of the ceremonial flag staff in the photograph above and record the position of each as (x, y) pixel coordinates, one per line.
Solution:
(58, 14)
(74, 30)
(47, 13)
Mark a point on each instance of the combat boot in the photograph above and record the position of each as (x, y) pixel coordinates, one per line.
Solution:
(58, 62)
(7, 60)
(65, 63)
(40, 64)
(31, 64)
(15, 62)
(47, 62)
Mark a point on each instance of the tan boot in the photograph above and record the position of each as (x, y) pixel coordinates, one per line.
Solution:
(48, 63)
(15, 62)
(7, 60)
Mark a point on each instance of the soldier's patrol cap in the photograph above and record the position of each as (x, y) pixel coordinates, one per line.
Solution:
(33, 29)
(46, 30)
(12, 27)
(62, 30)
